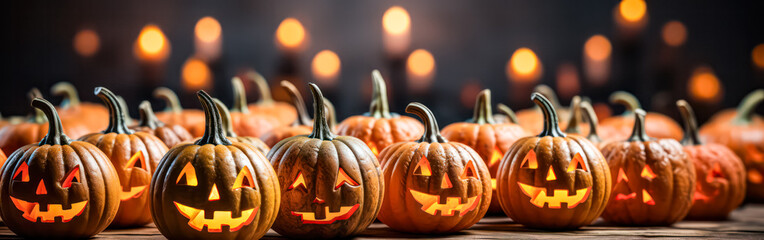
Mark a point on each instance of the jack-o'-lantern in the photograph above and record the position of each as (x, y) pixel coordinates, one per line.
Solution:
(58, 188)
(505, 115)
(532, 119)
(657, 125)
(331, 186)
(170, 134)
(214, 188)
(72, 111)
(488, 138)
(743, 133)
(750, 100)
(285, 113)
(553, 180)
(134, 155)
(175, 114)
(433, 185)
(244, 122)
(720, 180)
(380, 128)
(225, 121)
(301, 126)
(654, 179)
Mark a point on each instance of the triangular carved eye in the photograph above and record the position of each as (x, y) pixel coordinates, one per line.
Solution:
(343, 178)
(298, 181)
(648, 173)
(530, 161)
(72, 176)
(577, 163)
(622, 176)
(187, 176)
(136, 161)
(24, 171)
(715, 172)
(243, 179)
(469, 170)
(423, 167)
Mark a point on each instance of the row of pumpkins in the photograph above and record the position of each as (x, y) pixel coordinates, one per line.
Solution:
(233, 174)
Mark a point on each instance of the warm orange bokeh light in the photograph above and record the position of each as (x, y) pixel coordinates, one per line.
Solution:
(758, 55)
(207, 29)
(568, 84)
(152, 44)
(524, 66)
(632, 10)
(326, 66)
(396, 20)
(674, 33)
(421, 62)
(704, 85)
(290, 33)
(598, 48)
(196, 75)
(86, 42)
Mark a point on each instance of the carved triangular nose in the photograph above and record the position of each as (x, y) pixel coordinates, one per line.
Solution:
(41, 188)
(214, 195)
(550, 175)
(446, 182)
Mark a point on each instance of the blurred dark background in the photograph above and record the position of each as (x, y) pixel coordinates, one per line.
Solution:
(471, 43)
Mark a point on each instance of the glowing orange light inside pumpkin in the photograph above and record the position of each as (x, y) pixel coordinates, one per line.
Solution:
(469, 170)
(214, 194)
(674, 33)
(423, 167)
(632, 10)
(758, 55)
(622, 176)
(136, 160)
(577, 163)
(493, 183)
(540, 197)
(396, 20)
(243, 179)
(445, 183)
(343, 178)
(72, 176)
(495, 156)
(197, 219)
(290, 34)
(715, 172)
(530, 160)
(755, 177)
(207, 29)
(196, 75)
(31, 211)
(622, 196)
(330, 217)
(189, 174)
(646, 198)
(431, 204)
(704, 85)
(298, 181)
(24, 171)
(598, 48)
(86, 42)
(550, 175)
(326, 66)
(41, 190)
(648, 173)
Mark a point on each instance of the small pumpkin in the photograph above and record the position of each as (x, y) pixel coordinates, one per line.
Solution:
(285, 113)
(532, 119)
(244, 122)
(505, 115)
(170, 134)
(331, 115)
(331, 186)
(720, 174)
(135, 156)
(553, 180)
(379, 127)
(658, 125)
(214, 188)
(489, 139)
(433, 185)
(575, 124)
(654, 179)
(73, 111)
(750, 100)
(58, 188)
(743, 134)
(175, 114)
(301, 126)
(225, 117)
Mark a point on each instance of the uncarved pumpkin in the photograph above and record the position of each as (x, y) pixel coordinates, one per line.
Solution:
(245, 122)
(285, 113)
(658, 125)
(93, 116)
(505, 115)
(170, 134)
(301, 126)
(175, 114)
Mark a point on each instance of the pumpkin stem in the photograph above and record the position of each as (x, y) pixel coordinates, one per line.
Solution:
(379, 106)
(746, 108)
(591, 116)
(123, 104)
(213, 128)
(321, 129)
(170, 98)
(691, 136)
(38, 116)
(331, 114)
(575, 116)
(626, 99)
(148, 119)
(551, 124)
(504, 109)
(483, 114)
(549, 93)
(431, 132)
(262, 87)
(638, 133)
(55, 134)
(299, 104)
(225, 118)
(66, 89)
(117, 115)
(239, 96)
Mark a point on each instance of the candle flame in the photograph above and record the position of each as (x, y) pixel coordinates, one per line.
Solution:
(632, 10)
(674, 33)
(207, 29)
(86, 42)
(396, 20)
(196, 75)
(326, 66)
(758, 55)
(290, 33)
(598, 48)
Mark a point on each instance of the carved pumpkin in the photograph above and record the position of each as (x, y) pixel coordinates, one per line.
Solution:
(488, 138)
(214, 188)
(532, 119)
(170, 134)
(654, 179)
(750, 100)
(225, 117)
(331, 186)
(432, 185)
(569, 166)
(379, 127)
(134, 155)
(301, 126)
(285, 113)
(744, 135)
(58, 188)
(72, 111)
(505, 115)
(658, 125)
(244, 122)
(720, 180)
(175, 114)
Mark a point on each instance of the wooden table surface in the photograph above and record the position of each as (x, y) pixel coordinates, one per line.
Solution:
(744, 223)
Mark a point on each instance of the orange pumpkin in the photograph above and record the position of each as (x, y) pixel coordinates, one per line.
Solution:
(244, 122)
(532, 119)
(72, 111)
(505, 115)
(225, 117)
(283, 112)
(175, 114)
(170, 134)
(302, 126)
(657, 125)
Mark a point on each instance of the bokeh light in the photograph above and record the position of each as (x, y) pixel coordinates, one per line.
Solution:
(290, 34)
(420, 68)
(704, 85)
(207, 29)
(598, 48)
(196, 75)
(758, 55)
(632, 10)
(396, 20)
(152, 45)
(674, 33)
(568, 84)
(86, 42)
(326, 66)
(524, 66)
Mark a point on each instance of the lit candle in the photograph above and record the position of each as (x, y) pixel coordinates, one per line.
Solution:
(208, 39)
(420, 69)
(326, 68)
(397, 31)
(597, 51)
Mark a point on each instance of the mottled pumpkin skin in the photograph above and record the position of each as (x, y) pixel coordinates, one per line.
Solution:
(618, 128)
(15, 136)
(379, 133)
(281, 133)
(171, 135)
(720, 181)
(190, 119)
(532, 120)
(747, 141)
(671, 189)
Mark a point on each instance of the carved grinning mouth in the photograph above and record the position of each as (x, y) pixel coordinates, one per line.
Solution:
(539, 196)
(431, 204)
(646, 197)
(197, 221)
(32, 211)
(343, 214)
(135, 192)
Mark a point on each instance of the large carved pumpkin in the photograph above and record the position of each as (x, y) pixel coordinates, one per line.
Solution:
(285, 113)
(245, 122)
(379, 127)
(658, 125)
(214, 188)
(532, 119)
(170, 134)
(134, 155)
(58, 188)
(720, 174)
(553, 180)
(488, 138)
(331, 186)
(73, 111)
(743, 133)
(654, 179)
(432, 185)
(301, 126)
(175, 114)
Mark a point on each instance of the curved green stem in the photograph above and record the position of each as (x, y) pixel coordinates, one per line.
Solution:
(483, 114)
(431, 132)
(55, 134)
(626, 99)
(591, 117)
(225, 118)
(504, 109)
(549, 93)
(117, 114)
(551, 125)
(123, 104)
(148, 119)
(66, 89)
(262, 87)
(321, 129)
(331, 114)
(239, 96)
(746, 108)
(691, 136)
(299, 104)
(38, 116)
(575, 116)
(213, 128)
(379, 106)
(638, 133)
(170, 98)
